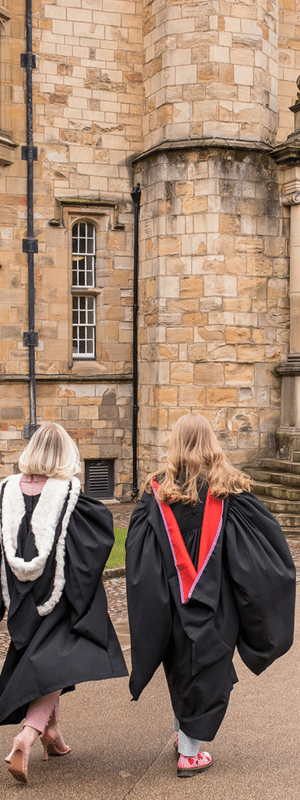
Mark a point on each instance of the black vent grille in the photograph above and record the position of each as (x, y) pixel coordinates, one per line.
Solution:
(99, 478)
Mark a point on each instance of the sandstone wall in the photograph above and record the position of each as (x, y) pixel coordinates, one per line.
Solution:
(113, 79)
(87, 93)
(96, 415)
(288, 64)
(210, 69)
(214, 306)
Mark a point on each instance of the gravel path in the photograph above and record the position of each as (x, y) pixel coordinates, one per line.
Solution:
(121, 513)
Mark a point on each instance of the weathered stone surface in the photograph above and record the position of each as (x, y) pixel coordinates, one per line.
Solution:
(191, 396)
(181, 373)
(208, 374)
(221, 396)
(213, 312)
(239, 374)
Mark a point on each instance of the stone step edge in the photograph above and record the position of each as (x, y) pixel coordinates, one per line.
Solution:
(116, 572)
(278, 476)
(290, 532)
(292, 467)
(273, 502)
(259, 486)
(257, 482)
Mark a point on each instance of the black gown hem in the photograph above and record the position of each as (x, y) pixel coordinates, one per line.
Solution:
(68, 688)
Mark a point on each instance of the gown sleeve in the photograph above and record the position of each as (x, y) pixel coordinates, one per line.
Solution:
(148, 598)
(89, 541)
(2, 605)
(262, 575)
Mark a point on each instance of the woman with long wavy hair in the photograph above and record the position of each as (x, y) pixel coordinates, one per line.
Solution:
(55, 542)
(208, 569)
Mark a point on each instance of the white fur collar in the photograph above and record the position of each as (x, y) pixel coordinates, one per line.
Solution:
(44, 522)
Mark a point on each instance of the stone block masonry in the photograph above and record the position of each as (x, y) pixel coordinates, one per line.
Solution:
(210, 70)
(182, 97)
(88, 102)
(218, 300)
(96, 415)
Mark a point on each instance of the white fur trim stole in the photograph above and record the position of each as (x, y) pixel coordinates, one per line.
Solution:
(44, 522)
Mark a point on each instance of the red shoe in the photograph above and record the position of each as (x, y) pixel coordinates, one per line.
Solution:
(189, 765)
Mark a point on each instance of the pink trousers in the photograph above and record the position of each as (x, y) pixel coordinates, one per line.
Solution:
(43, 711)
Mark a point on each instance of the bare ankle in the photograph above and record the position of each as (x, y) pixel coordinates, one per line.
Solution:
(30, 733)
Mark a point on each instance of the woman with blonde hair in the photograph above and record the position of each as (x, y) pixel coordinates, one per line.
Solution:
(208, 569)
(55, 542)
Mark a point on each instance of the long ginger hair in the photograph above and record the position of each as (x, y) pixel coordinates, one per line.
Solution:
(196, 457)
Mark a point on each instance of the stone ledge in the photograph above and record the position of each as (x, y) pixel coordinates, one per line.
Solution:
(291, 367)
(288, 153)
(7, 148)
(74, 378)
(204, 143)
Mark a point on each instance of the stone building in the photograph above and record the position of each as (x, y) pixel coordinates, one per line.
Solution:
(190, 101)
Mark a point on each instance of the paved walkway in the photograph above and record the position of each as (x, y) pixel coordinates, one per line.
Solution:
(123, 750)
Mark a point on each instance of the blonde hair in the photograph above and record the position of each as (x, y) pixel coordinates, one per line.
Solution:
(51, 452)
(196, 457)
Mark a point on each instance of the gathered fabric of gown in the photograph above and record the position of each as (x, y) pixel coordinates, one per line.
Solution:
(61, 633)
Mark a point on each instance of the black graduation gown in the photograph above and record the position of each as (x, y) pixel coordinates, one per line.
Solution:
(244, 597)
(76, 641)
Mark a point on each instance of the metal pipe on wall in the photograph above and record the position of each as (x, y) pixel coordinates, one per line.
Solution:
(30, 244)
(136, 197)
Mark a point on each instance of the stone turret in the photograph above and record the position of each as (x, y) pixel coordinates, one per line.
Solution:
(213, 271)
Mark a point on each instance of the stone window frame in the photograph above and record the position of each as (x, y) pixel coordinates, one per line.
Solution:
(101, 214)
(83, 299)
(7, 144)
(84, 311)
(87, 255)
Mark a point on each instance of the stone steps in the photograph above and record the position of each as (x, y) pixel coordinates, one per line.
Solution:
(277, 491)
(279, 506)
(290, 523)
(268, 476)
(277, 484)
(280, 466)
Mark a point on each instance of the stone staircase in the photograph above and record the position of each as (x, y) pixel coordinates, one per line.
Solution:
(277, 484)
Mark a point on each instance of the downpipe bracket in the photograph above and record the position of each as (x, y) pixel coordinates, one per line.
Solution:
(29, 430)
(29, 153)
(28, 60)
(30, 339)
(30, 245)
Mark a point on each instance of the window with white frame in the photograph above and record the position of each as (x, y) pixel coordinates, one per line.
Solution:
(83, 282)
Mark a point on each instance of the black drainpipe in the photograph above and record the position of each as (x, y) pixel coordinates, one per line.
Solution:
(136, 196)
(30, 245)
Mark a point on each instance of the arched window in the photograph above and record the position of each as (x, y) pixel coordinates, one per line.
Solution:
(83, 280)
